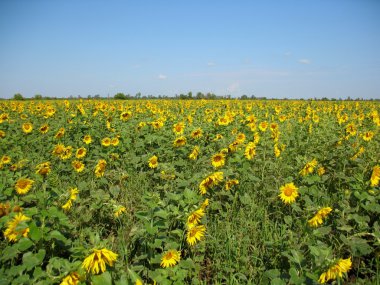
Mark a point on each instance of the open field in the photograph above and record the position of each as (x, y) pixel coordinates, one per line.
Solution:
(189, 192)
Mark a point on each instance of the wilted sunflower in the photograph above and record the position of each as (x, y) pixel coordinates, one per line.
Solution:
(230, 184)
(170, 258)
(43, 168)
(100, 168)
(336, 270)
(218, 160)
(153, 162)
(14, 230)
(60, 133)
(181, 141)
(194, 153)
(309, 167)
(289, 193)
(97, 261)
(23, 185)
(44, 129)
(78, 165)
(195, 217)
(71, 279)
(195, 234)
(87, 139)
(81, 152)
(210, 181)
(27, 128)
(319, 216)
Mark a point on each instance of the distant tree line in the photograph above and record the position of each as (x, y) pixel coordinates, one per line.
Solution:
(188, 96)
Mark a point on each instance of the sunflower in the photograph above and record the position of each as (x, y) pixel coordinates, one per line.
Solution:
(240, 138)
(196, 134)
(179, 128)
(367, 136)
(170, 258)
(5, 159)
(263, 126)
(96, 262)
(23, 185)
(289, 193)
(60, 133)
(2, 134)
(71, 279)
(14, 228)
(181, 141)
(43, 168)
(115, 141)
(351, 129)
(67, 205)
(78, 165)
(230, 184)
(205, 203)
(27, 128)
(66, 153)
(321, 170)
(250, 150)
(195, 234)
(195, 217)
(106, 142)
(100, 168)
(218, 160)
(125, 115)
(153, 162)
(336, 270)
(309, 167)
(210, 181)
(58, 149)
(87, 139)
(218, 137)
(81, 152)
(319, 216)
(375, 177)
(44, 129)
(194, 153)
(119, 211)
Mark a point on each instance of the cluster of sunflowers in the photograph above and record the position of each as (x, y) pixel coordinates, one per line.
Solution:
(210, 147)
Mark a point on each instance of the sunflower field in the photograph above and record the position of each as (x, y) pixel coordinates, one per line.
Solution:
(189, 192)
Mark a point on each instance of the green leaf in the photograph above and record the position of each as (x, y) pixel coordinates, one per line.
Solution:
(24, 244)
(102, 279)
(9, 253)
(35, 232)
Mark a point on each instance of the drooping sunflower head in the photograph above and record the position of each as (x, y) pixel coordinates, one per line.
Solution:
(181, 141)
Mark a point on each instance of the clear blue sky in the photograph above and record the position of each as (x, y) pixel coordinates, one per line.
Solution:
(293, 49)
